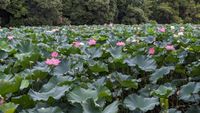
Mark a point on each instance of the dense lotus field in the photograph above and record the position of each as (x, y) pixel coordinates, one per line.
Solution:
(100, 69)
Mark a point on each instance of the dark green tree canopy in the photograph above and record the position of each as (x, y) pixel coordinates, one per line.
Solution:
(62, 12)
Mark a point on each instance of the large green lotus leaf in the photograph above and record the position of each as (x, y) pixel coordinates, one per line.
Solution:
(76, 108)
(56, 93)
(56, 81)
(98, 66)
(5, 46)
(3, 67)
(144, 63)
(136, 111)
(93, 52)
(146, 91)
(8, 108)
(80, 95)
(62, 68)
(43, 110)
(24, 84)
(26, 59)
(119, 76)
(73, 50)
(50, 110)
(10, 86)
(100, 82)
(22, 56)
(195, 48)
(182, 56)
(3, 54)
(193, 109)
(189, 92)
(194, 69)
(103, 92)
(102, 38)
(39, 71)
(134, 102)
(149, 39)
(163, 91)
(116, 52)
(44, 50)
(173, 110)
(130, 83)
(89, 106)
(124, 80)
(25, 101)
(34, 74)
(41, 67)
(26, 46)
(77, 64)
(112, 108)
(159, 73)
(172, 58)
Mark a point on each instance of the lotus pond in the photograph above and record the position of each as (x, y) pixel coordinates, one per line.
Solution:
(100, 69)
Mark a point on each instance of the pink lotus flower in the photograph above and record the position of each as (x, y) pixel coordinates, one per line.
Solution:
(54, 54)
(1, 101)
(52, 62)
(120, 43)
(92, 42)
(151, 51)
(10, 37)
(162, 29)
(170, 47)
(77, 44)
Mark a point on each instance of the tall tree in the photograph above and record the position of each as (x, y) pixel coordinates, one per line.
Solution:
(90, 11)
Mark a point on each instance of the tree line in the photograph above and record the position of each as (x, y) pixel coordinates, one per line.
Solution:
(78, 12)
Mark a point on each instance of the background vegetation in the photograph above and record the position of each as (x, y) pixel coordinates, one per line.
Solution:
(59, 12)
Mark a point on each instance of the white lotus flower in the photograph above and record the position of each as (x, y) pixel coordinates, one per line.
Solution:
(182, 28)
(175, 35)
(172, 27)
(180, 34)
(81, 43)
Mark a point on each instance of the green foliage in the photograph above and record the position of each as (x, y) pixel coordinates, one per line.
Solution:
(164, 13)
(8, 108)
(134, 102)
(44, 12)
(134, 15)
(90, 11)
(62, 12)
(102, 78)
(43, 110)
(34, 12)
(4, 4)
